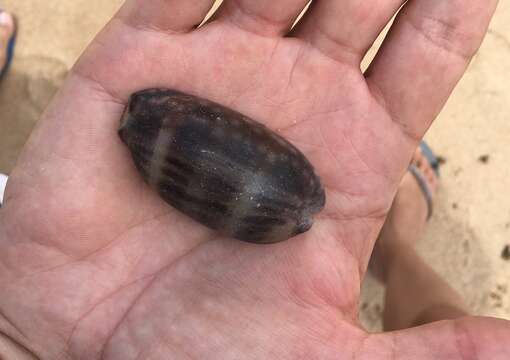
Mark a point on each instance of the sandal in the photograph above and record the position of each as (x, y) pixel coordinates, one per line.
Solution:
(420, 178)
(10, 47)
(3, 184)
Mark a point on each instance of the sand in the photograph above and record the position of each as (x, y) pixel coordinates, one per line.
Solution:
(471, 224)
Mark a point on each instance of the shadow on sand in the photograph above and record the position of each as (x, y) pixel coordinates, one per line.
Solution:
(24, 94)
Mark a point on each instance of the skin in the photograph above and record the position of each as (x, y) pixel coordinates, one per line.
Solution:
(94, 265)
(406, 220)
(415, 293)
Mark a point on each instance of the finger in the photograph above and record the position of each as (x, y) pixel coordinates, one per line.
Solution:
(424, 56)
(264, 17)
(165, 15)
(345, 30)
(466, 338)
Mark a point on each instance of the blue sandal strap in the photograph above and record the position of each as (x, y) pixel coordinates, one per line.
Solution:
(420, 178)
(430, 156)
(424, 187)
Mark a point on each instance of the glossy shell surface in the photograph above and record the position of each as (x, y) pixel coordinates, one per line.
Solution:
(221, 168)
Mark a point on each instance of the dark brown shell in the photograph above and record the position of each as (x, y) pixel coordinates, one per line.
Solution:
(221, 168)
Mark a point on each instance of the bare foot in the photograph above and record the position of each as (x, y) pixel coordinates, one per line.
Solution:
(407, 218)
(6, 30)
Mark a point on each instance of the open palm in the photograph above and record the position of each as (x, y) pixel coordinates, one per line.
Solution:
(94, 265)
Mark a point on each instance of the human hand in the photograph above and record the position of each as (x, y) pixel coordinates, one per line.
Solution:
(94, 265)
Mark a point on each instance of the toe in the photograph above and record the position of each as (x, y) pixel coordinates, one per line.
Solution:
(423, 164)
(6, 24)
(7, 28)
(417, 158)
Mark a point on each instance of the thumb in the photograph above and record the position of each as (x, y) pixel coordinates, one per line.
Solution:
(460, 339)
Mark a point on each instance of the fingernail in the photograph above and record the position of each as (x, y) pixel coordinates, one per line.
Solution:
(6, 19)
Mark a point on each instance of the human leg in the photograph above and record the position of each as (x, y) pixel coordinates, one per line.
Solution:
(415, 293)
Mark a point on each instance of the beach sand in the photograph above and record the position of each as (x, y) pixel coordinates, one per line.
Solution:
(471, 223)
